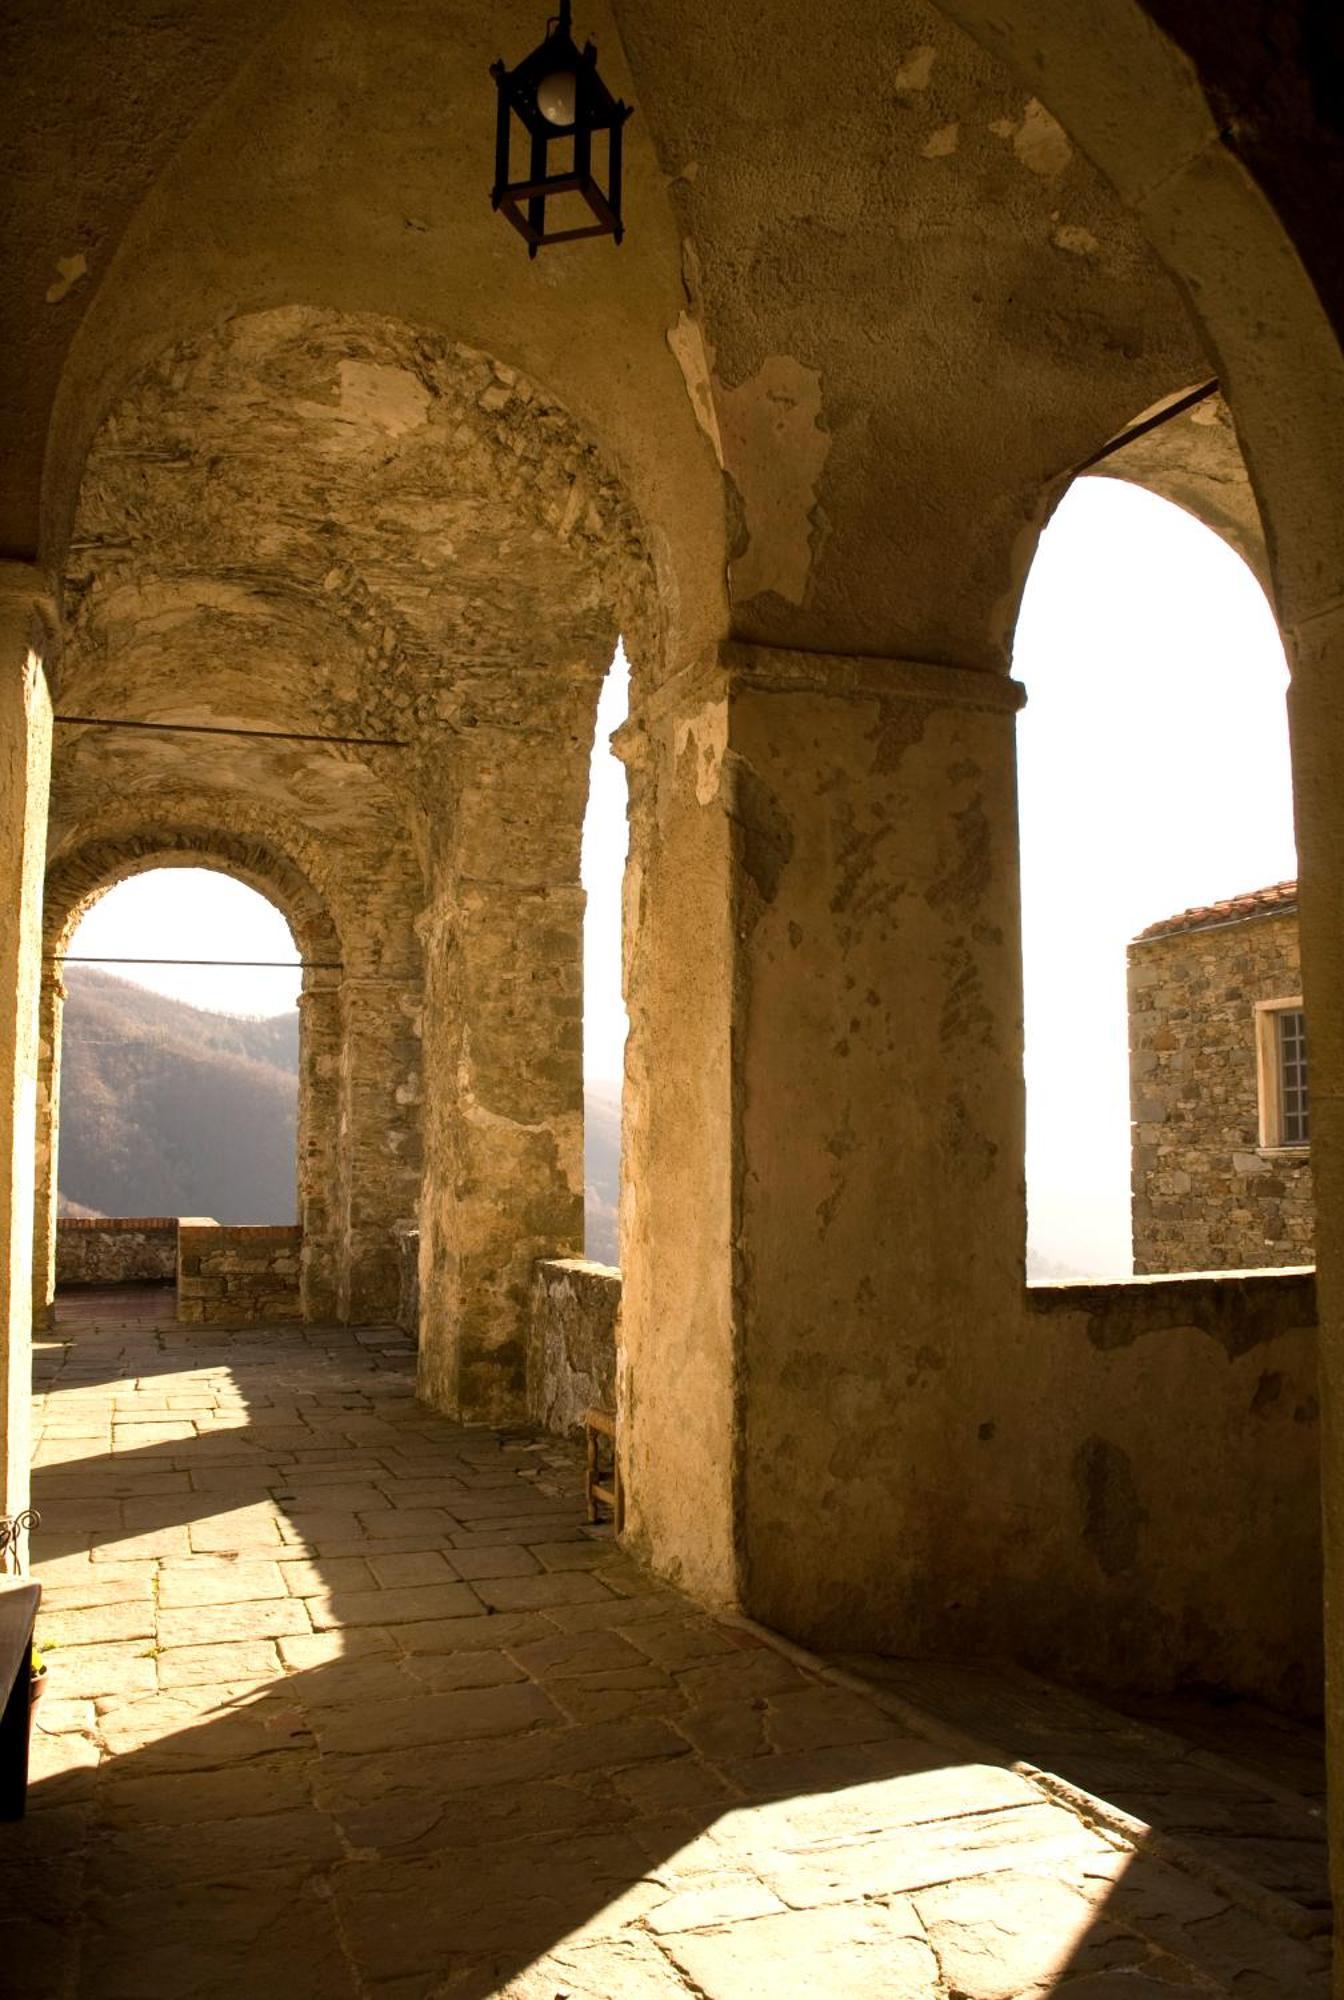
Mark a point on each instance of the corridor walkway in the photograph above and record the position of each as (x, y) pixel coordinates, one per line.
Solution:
(345, 1700)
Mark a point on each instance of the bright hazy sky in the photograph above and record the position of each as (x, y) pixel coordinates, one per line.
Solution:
(1154, 775)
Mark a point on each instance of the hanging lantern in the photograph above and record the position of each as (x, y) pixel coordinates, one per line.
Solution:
(569, 116)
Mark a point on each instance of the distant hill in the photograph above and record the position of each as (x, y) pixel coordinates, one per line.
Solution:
(168, 1109)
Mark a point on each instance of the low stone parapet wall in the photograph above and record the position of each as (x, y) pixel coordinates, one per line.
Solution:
(1173, 1427)
(571, 1348)
(115, 1249)
(237, 1273)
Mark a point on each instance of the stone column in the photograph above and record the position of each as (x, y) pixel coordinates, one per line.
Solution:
(1316, 719)
(503, 1039)
(823, 1223)
(51, 1009)
(380, 1167)
(503, 1133)
(318, 1147)
(26, 623)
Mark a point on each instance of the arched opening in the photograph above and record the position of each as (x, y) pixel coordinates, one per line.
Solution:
(1154, 779)
(180, 1054)
(874, 1452)
(180, 1093)
(605, 1025)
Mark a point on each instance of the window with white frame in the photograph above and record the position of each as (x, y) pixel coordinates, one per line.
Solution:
(1285, 1112)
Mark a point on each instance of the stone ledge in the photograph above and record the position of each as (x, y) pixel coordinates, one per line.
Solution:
(1242, 1309)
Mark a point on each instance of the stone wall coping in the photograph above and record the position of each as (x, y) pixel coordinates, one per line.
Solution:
(252, 1232)
(103, 1223)
(577, 1267)
(1270, 1275)
(1241, 1310)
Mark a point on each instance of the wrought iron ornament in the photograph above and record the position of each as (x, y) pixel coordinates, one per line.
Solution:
(569, 116)
(13, 1527)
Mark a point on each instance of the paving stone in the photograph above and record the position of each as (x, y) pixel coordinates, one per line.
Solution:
(94, 1670)
(846, 1955)
(434, 1718)
(442, 1672)
(246, 1530)
(247, 1618)
(262, 1784)
(202, 1582)
(218, 1850)
(267, 1938)
(318, 1649)
(90, 1624)
(305, 1577)
(135, 1548)
(565, 1654)
(393, 1607)
(107, 1584)
(508, 1561)
(1006, 1936)
(426, 1567)
(236, 1660)
(527, 1593)
(470, 1634)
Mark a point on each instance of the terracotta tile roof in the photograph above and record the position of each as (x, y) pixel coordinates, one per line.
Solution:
(1278, 899)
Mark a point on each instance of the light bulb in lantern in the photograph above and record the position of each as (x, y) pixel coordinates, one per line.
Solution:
(556, 97)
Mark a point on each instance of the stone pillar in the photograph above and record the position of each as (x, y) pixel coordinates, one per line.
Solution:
(26, 623)
(823, 1221)
(318, 1147)
(1316, 719)
(380, 1166)
(503, 1132)
(503, 1037)
(51, 1009)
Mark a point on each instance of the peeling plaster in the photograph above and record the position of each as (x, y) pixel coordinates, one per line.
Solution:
(774, 440)
(915, 72)
(1077, 241)
(1041, 143)
(71, 270)
(706, 735)
(687, 342)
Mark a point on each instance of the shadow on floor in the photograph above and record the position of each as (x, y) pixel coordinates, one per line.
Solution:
(349, 1702)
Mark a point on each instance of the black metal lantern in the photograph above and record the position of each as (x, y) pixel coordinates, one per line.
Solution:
(561, 102)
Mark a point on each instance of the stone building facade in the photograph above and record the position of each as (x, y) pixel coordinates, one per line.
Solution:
(1220, 1137)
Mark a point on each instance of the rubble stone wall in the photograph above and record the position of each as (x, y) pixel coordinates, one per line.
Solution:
(116, 1249)
(571, 1349)
(408, 1280)
(227, 1274)
(1206, 1195)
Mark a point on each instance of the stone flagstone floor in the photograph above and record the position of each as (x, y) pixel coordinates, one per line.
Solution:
(345, 1700)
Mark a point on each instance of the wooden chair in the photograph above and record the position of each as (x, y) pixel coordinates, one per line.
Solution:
(602, 1483)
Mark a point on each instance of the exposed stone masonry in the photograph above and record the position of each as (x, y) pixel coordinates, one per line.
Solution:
(1206, 1197)
(115, 1250)
(571, 1342)
(233, 1273)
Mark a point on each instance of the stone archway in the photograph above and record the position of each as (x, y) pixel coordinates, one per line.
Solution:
(77, 879)
(416, 561)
